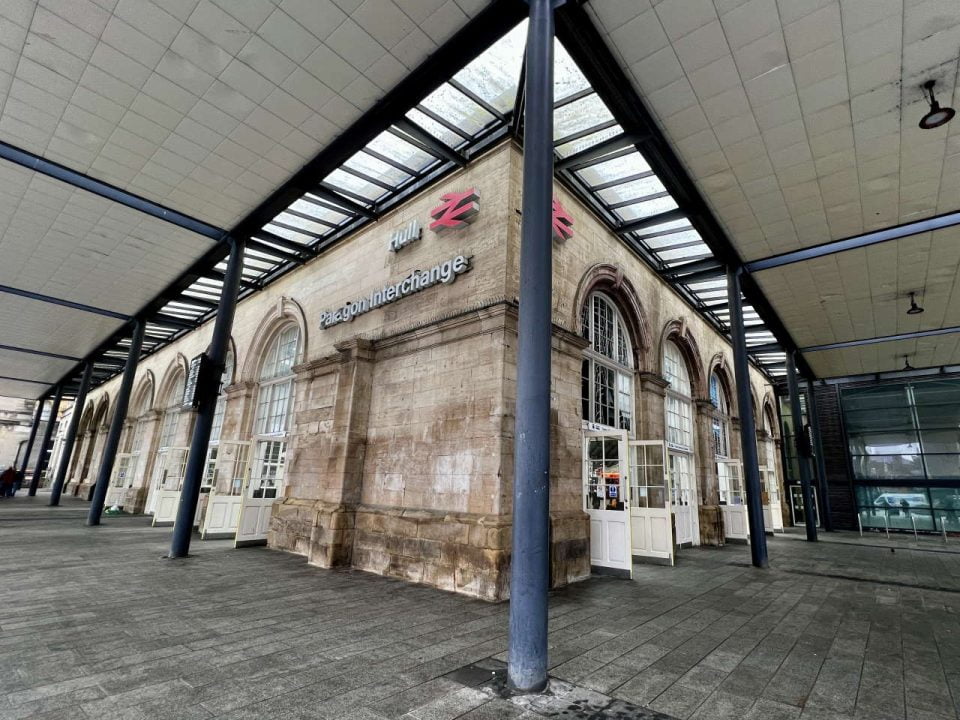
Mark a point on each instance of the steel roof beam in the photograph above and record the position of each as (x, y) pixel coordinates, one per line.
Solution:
(857, 241)
(429, 142)
(63, 303)
(881, 339)
(701, 275)
(24, 380)
(110, 192)
(42, 353)
(695, 266)
(664, 217)
(595, 151)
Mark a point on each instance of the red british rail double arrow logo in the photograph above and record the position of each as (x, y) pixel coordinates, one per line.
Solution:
(455, 210)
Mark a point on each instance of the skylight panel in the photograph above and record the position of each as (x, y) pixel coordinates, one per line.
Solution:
(401, 151)
(580, 115)
(647, 208)
(495, 74)
(687, 253)
(634, 189)
(290, 220)
(369, 165)
(567, 78)
(345, 181)
(614, 169)
(317, 210)
(585, 142)
(439, 131)
(452, 105)
(670, 240)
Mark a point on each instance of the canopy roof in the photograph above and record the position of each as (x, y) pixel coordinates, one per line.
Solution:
(138, 136)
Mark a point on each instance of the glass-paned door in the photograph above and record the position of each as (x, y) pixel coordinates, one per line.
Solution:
(683, 497)
(733, 505)
(606, 500)
(651, 531)
(230, 474)
(167, 482)
(772, 511)
(796, 505)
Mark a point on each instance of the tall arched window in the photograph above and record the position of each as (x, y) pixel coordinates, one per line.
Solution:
(272, 421)
(607, 368)
(678, 399)
(769, 459)
(721, 418)
(209, 476)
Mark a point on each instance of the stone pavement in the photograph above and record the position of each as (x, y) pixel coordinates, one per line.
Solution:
(96, 624)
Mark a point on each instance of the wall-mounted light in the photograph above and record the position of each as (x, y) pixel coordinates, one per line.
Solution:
(937, 116)
(914, 308)
(906, 363)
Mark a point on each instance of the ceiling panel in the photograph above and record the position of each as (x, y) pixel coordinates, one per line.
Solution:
(925, 352)
(52, 328)
(61, 241)
(863, 293)
(15, 389)
(28, 366)
(204, 105)
(798, 120)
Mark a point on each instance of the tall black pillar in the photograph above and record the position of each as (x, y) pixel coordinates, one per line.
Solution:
(530, 562)
(820, 465)
(33, 433)
(45, 443)
(207, 392)
(803, 450)
(748, 429)
(116, 425)
(71, 437)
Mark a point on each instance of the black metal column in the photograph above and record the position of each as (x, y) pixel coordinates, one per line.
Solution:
(33, 433)
(207, 394)
(748, 429)
(530, 562)
(116, 425)
(820, 465)
(70, 440)
(803, 452)
(45, 443)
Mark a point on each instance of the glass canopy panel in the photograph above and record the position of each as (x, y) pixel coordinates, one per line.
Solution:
(307, 226)
(455, 107)
(632, 190)
(317, 210)
(345, 181)
(369, 165)
(648, 208)
(567, 78)
(588, 141)
(494, 75)
(671, 240)
(303, 238)
(401, 151)
(580, 115)
(440, 132)
(685, 254)
(616, 169)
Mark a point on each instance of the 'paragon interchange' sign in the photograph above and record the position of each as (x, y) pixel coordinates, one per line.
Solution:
(445, 272)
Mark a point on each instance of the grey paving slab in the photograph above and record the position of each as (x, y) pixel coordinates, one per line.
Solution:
(96, 624)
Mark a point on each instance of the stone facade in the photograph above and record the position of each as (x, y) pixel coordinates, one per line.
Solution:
(399, 454)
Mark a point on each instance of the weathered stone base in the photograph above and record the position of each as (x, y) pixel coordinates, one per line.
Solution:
(712, 531)
(460, 552)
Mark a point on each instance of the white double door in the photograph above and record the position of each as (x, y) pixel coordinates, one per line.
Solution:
(651, 531)
(733, 504)
(164, 494)
(605, 500)
(228, 469)
(772, 510)
(683, 496)
(263, 488)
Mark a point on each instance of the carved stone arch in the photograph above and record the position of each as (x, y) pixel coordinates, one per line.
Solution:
(769, 410)
(86, 419)
(720, 366)
(610, 280)
(677, 331)
(101, 414)
(284, 312)
(143, 396)
(178, 366)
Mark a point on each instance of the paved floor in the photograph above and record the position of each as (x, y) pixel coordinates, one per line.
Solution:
(95, 624)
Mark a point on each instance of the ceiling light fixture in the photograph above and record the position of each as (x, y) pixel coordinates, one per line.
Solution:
(906, 363)
(914, 308)
(937, 116)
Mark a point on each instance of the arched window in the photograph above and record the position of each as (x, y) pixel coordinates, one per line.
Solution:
(607, 368)
(272, 421)
(721, 418)
(769, 460)
(678, 399)
(171, 415)
(213, 449)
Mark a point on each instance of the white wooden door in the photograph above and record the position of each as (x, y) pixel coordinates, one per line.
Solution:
(772, 511)
(683, 497)
(266, 476)
(123, 469)
(231, 472)
(651, 531)
(168, 480)
(733, 503)
(606, 500)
